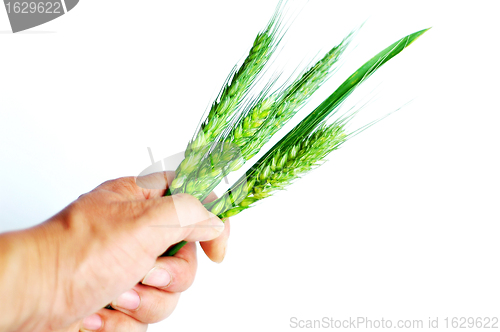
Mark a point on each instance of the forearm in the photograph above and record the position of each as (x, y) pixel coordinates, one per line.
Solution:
(23, 286)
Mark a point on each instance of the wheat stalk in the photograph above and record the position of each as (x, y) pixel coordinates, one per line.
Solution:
(300, 150)
(310, 125)
(308, 132)
(254, 129)
(231, 96)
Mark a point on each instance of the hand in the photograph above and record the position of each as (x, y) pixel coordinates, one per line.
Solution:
(98, 248)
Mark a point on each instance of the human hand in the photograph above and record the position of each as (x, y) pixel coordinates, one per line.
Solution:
(97, 250)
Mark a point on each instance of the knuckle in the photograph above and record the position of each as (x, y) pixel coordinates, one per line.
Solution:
(183, 280)
(120, 185)
(129, 325)
(157, 311)
(189, 280)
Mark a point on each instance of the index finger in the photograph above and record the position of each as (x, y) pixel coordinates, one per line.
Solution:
(155, 184)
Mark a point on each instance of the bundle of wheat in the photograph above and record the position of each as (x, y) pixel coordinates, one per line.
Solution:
(233, 131)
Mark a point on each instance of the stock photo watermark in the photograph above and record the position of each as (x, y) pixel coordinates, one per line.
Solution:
(24, 15)
(383, 323)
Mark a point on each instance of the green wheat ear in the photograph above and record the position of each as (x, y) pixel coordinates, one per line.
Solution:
(230, 98)
(305, 146)
(258, 125)
(255, 129)
(283, 167)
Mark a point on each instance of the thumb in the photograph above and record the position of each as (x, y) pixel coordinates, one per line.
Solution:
(171, 219)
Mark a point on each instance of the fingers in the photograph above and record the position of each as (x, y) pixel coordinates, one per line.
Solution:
(197, 224)
(157, 296)
(112, 321)
(154, 185)
(170, 219)
(146, 304)
(216, 249)
(167, 220)
(176, 273)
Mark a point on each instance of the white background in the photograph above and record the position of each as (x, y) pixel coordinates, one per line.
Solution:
(401, 223)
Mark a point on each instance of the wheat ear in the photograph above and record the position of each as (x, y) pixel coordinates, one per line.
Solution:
(231, 96)
(281, 169)
(231, 200)
(258, 125)
(270, 115)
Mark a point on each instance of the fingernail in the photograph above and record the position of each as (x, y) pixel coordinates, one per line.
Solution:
(129, 300)
(92, 322)
(157, 277)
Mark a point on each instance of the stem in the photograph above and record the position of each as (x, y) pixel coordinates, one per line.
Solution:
(173, 249)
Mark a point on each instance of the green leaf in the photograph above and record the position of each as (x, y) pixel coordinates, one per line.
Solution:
(365, 71)
(309, 123)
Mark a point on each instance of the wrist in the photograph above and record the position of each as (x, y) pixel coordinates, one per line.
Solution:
(15, 266)
(26, 279)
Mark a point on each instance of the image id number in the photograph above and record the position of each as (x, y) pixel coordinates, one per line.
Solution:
(33, 7)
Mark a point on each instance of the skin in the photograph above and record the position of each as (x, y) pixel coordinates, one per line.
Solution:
(104, 249)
